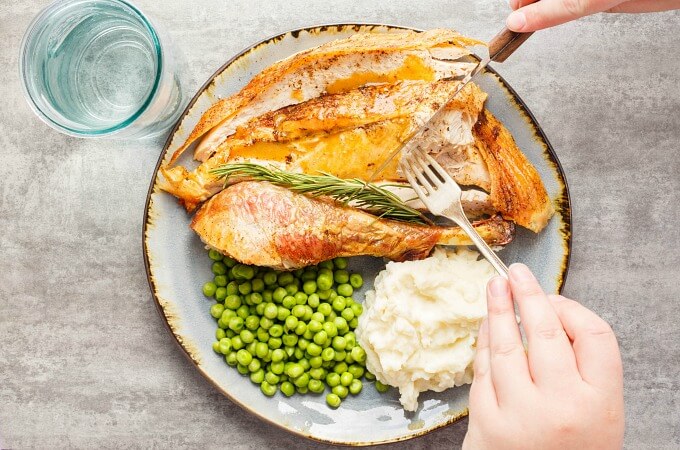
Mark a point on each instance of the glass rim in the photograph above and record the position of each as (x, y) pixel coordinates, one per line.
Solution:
(39, 21)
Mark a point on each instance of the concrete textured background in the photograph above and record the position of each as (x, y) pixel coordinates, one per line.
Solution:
(85, 360)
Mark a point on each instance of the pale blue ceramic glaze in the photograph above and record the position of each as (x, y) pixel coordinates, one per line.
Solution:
(178, 265)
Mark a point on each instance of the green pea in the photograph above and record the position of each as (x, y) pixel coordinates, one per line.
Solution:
(220, 334)
(300, 328)
(301, 390)
(232, 288)
(356, 370)
(349, 301)
(294, 370)
(298, 311)
(330, 329)
(221, 280)
(315, 362)
(243, 311)
(257, 377)
(328, 354)
(259, 309)
(347, 314)
(279, 294)
(243, 272)
(339, 304)
(282, 313)
(271, 378)
(218, 268)
(340, 390)
(289, 340)
(214, 255)
(339, 343)
(245, 288)
(254, 365)
(324, 295)
(220, 294)
(291, 289)
(302, 380)
(262, 334)
(300, 298)
(269, 278)
(369, 376)
(285, 278)
(231, 359)
(326, 265)
(290, 323)
(274, 343)
(251, 347)
(237, 343)
(324, 282)
(309, 287)
(303, 343)
(257, 285)
(320, 337)
(232, 302)
(236, 324)
(354, 323)
(340, 356)
(243, 370)
(332, 297)
(305, 364)
(298, 354)
(349, 359)
(341, 324)
(316, 386)
(261, 349)
(339, 368)
(252, 322)
(355, 386)
(229, 262)
(287, 388)
(341, 276)
(229, 333)
(225, 346)
(325, 309)
(277, 368)
(268, 389)
(346, 378)
(216, 310)
(216, 346)
(244, 357)
(288, 301)
(381, 387)
(268, 296)
(317, 373)
(247, 336)
(345, 290)
(314, 326)
(331, 317)
(271, 311)
(333, 400)
(314, 349)
(356, 281)
(359, 354)
(313, 301)
(333, 379)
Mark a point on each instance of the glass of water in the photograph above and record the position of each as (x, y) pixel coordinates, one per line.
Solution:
(99, 68)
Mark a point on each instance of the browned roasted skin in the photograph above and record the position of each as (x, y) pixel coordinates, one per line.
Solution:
(517, 191)
(265, 225)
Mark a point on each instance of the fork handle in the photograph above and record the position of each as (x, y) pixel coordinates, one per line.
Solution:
(459, 218)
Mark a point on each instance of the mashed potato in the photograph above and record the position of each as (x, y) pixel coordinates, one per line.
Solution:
(419, 326)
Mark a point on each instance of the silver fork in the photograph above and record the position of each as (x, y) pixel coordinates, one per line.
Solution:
(442, 196)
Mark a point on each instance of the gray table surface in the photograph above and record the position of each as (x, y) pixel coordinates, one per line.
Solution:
(85, 360)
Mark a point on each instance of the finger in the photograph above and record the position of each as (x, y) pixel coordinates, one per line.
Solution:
(509, 368)
(548, 13)
(482, 393)
(516, 4)
(551, 358)
(595, 347)
(643, 6)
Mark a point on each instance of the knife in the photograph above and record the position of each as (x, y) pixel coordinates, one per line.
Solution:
(500, 47)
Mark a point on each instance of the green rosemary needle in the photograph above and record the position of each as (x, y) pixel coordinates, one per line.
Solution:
(366, 196)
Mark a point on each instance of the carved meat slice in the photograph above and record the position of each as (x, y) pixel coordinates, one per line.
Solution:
(337, 66)
(266, 225)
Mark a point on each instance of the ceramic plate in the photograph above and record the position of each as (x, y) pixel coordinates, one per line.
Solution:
(177, 265)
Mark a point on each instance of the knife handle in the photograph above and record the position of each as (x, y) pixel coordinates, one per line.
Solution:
(505, 43)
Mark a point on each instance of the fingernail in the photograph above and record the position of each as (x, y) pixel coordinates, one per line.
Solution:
(498, 287)
(516, 21)
(521, 273)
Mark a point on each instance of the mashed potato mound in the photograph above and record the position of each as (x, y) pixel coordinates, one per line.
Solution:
(419, 326)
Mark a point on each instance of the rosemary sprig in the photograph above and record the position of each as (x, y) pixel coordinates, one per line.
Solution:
(366, 196)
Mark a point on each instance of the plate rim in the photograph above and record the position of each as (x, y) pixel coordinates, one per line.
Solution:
(564, 207)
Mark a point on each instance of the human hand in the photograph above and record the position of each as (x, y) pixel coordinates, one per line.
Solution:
(532, 15)
(565, 392)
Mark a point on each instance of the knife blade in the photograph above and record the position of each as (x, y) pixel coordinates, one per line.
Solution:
(500, 47)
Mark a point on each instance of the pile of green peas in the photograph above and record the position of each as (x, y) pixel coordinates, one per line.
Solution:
(292, 331)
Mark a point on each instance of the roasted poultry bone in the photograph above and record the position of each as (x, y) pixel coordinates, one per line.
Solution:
(266, 225)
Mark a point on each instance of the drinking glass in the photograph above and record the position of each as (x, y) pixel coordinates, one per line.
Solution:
(99, 68)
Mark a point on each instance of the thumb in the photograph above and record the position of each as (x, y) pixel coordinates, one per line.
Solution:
(548, 13)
